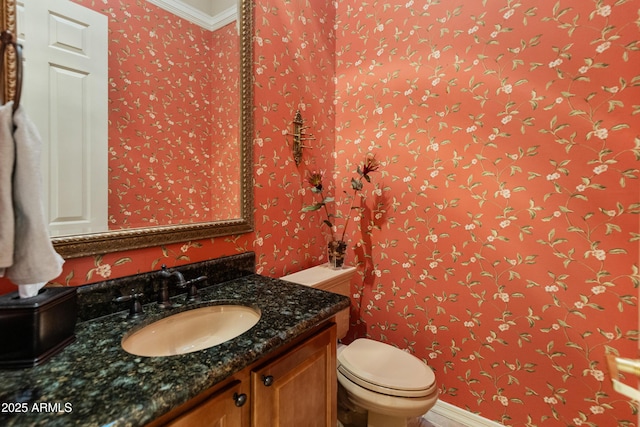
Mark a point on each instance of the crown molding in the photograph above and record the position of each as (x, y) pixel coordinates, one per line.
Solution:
(196, 16)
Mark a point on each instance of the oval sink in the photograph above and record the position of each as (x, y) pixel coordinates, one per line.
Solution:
(191, 330)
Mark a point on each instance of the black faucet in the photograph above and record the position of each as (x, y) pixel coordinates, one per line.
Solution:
(192, 289)
(163, 293)
(135, 309)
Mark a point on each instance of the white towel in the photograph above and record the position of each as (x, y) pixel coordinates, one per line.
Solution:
(35, 261)
(7, 160)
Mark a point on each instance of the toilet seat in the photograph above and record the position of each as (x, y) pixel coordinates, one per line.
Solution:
(385, 369)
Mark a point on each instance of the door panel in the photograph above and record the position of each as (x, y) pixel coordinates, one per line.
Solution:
(65, 93)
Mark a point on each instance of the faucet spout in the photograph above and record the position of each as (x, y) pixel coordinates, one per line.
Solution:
(167, 273)
(163, 293)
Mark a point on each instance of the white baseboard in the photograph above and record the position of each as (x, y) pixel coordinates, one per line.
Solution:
(444, 414)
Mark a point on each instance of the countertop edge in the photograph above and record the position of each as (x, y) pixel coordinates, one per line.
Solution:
(143, 389)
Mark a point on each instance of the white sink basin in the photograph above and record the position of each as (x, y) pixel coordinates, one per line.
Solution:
(191, 330)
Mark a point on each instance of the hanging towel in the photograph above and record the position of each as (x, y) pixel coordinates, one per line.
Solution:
(35, 261)
(7, 159)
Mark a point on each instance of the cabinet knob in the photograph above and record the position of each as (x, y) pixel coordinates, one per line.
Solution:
(240, 399)
(267, 380)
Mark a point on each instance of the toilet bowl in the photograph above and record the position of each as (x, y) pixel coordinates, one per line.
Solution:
(383, 386)
(390, 384)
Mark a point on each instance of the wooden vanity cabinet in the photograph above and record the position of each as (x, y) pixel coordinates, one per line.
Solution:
(227, 407)
(297, 386)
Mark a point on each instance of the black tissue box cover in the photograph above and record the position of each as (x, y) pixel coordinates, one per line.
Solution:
(34, 329)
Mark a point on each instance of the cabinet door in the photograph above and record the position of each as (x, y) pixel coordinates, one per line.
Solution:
(226, 408)
(298, 388)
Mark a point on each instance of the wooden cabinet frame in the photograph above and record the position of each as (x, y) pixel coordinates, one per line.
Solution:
(303, 387)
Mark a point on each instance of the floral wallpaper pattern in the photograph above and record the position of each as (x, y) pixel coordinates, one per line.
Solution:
(501, 243)
(225, 102)
(499, 240)
(285, 240)
(168, 107)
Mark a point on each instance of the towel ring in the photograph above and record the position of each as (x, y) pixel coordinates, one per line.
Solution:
(6, 39)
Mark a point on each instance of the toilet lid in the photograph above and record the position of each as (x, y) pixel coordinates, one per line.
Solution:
(385, 369)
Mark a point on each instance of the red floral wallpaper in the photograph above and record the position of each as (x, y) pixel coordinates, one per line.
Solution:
(501, 242)
(285, 239)
(225, 104)
(498, 241)
(171, 93)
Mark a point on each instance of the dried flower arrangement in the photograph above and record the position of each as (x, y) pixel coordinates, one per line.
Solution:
(337, 247)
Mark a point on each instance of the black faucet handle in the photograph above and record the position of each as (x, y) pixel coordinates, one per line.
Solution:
(192, 289)
(135, 310)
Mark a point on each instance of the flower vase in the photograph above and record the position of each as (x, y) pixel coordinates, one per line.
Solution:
(337, 251)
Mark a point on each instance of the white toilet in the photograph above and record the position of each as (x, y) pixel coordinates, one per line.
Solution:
(391, 385)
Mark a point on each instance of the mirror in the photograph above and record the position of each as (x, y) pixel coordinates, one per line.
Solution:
(239, 221)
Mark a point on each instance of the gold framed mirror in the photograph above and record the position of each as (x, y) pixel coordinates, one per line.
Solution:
(73, 246)
(8, 22)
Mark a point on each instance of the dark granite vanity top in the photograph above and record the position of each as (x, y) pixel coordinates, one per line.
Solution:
(93, 382)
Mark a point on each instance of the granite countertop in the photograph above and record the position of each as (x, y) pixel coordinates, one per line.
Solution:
(93, 382)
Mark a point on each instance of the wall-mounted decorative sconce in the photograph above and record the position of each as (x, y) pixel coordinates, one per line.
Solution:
(299, 136)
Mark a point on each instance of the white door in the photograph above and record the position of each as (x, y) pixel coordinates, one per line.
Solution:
(65, 93)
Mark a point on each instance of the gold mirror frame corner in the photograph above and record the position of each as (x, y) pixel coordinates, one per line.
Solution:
(8, 22)
(123, 240)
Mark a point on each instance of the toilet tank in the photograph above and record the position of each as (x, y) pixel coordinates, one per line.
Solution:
(325, 278)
